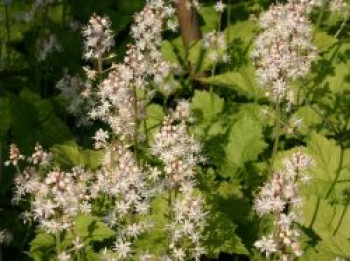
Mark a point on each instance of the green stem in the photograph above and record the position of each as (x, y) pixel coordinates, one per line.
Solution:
(277, 135)
(145, 127)
(58, 243)
(320, 16)
(170, 215)
(342, 26)
(212, 90)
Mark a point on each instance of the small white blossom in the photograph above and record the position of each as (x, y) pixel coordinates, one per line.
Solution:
(266, 245)
(219, 7)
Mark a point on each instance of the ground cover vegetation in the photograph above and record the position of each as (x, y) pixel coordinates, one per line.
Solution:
(174, 130)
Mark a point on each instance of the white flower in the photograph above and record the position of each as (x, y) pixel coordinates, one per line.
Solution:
(123, 248)
(63, 256)
(99, 38)
(100, 138)
(267, 245)
(178, 254)
(219, 7)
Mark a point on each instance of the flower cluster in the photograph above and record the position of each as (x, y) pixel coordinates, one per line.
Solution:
(99, 38)
(281, 198)
(5, 237)
(118, 105)
(77, 92)
(180, 153)
(15, 156)
(57, 197)
(145, 57)
(189, 220)
(283, 50)
(215, 44)
(48, 45)
(124, 182)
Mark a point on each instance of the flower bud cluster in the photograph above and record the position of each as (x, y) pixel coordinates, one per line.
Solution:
(15, 156)
(283, 50)
(281, 198)
(99, 38)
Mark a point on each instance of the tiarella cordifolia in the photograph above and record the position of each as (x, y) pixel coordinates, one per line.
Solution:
(283, 50)
(280, 198)
(57, 197)
(144, 56)
(118, 104)
(5, 237)
(180, 153)
(47, 46)
(99, 38)
(77, 92)
(215, 44)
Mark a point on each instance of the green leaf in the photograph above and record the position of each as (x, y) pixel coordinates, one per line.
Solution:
(245, 143)
(210, 19)
(324, 41)
(154, 120)
(156, 239)
(70, 154)
(201, 105)
(30, 112)
(245, 31)
(340, 81)
(42, 246)
(42, 241)
(331, 223)
(207, 111)
(169, 52)
(242, 81)
(90, 228)
(331, 168)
